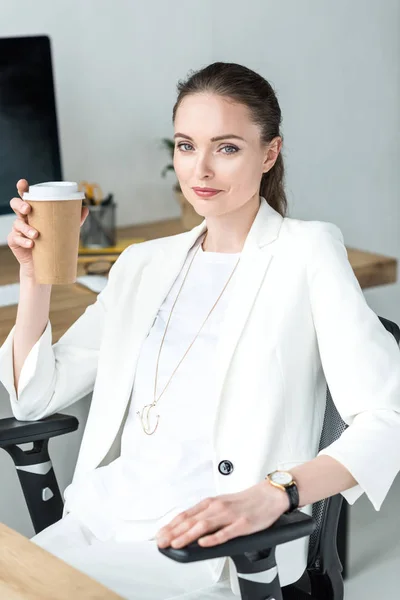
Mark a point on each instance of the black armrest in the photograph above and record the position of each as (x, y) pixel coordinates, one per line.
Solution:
(287, 528)
(34, 467)
(13, 431)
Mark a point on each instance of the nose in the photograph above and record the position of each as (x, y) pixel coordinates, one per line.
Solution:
(203, 169)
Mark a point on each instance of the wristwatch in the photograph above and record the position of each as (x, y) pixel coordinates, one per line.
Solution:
(284, 481)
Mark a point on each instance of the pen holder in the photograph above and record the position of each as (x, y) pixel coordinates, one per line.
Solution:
(98, 230)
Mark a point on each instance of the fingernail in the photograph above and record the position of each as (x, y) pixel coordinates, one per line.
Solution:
(162, 541)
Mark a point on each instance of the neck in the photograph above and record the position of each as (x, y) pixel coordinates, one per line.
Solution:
(227, 233)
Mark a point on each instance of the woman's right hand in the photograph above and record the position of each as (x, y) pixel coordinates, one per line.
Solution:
(19, 239)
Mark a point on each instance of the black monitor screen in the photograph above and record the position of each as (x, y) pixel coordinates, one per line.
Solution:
(28, 124)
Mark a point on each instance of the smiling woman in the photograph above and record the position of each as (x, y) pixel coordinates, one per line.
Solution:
(228, 150)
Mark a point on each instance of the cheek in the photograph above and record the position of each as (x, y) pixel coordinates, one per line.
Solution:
(183, 166)
(244, 173)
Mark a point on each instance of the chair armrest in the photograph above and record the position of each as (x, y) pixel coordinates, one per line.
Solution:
(13, 431)
(287, 528)
(34, 467)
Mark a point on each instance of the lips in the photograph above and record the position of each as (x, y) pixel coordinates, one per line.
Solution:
(206, 192)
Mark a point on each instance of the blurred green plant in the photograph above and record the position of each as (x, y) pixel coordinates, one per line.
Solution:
(169, 145)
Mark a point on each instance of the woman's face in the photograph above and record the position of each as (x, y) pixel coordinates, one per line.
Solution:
(229, 164)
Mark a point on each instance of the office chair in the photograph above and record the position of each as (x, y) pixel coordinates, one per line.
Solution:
(253, 555)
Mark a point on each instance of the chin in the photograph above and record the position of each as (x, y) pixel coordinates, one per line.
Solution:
(203, 204)
(204, 209)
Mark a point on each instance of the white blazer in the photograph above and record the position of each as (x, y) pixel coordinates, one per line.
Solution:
(297, 319)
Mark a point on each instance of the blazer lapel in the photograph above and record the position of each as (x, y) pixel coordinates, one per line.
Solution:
(159, 275)
(256, 257)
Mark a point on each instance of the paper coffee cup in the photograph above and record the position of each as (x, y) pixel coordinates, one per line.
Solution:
(56, 209)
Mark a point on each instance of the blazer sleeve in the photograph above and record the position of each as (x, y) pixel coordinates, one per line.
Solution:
(361, 363)
(55, 376)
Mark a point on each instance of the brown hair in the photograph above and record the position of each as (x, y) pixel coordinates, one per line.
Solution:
(246, 87)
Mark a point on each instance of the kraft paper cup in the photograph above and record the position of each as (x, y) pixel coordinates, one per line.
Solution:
(56, 209)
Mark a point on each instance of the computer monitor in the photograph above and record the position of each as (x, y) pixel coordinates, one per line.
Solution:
(29, 144)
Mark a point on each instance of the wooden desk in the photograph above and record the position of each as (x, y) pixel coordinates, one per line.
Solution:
(68, 302)
(28, 572)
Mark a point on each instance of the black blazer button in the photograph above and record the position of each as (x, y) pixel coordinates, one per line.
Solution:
(225, 467)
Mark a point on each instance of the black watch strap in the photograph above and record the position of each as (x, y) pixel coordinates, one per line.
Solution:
(293, 494)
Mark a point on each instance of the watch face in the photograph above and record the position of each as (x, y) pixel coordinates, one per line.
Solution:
(281, 477)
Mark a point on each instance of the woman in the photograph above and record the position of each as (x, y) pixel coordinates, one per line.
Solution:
(207, 354)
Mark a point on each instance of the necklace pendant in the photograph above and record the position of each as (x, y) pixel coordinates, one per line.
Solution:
(145, 415)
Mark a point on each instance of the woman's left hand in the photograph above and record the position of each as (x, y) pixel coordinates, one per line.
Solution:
(218, 519)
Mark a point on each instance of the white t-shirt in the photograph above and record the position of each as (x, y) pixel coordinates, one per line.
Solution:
(158, 476)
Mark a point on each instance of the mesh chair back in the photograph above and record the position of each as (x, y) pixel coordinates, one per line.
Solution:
(332, 429)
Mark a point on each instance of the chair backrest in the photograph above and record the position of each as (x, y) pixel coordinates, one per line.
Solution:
(326, 512)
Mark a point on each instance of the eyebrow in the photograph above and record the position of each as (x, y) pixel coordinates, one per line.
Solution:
(213, 139)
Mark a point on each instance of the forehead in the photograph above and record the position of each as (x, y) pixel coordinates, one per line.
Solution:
(208, 115)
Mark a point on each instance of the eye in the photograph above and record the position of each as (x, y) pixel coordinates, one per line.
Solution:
(230, 147)
(180, 146)
(234, 148)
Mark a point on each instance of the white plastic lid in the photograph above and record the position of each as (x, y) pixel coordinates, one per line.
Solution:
(54, 190)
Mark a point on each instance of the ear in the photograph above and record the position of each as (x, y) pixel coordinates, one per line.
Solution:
(272, 153)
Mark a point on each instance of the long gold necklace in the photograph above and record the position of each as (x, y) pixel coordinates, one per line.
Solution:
(144, 415)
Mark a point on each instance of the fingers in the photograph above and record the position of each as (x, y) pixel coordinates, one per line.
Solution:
(237, 528)
(20, 208)
(192, 528)
(190, 512)
(195, 531)
(188, 532)
(15, 240)
(22, 186)
(25, 229)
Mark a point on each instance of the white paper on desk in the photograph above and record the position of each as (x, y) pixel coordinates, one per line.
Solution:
(9, 294)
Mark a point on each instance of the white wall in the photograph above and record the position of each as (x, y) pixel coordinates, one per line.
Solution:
(335, 68)
(334, 65)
